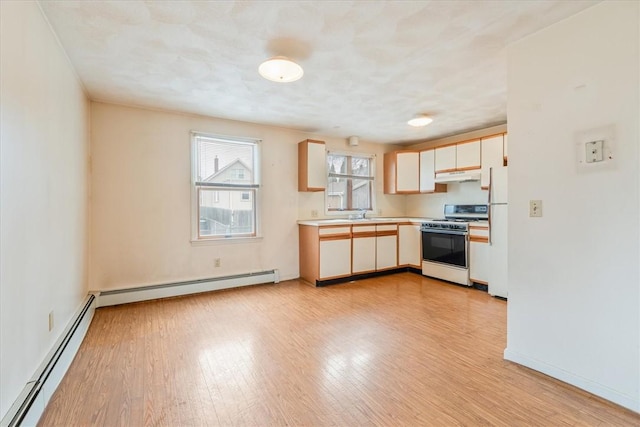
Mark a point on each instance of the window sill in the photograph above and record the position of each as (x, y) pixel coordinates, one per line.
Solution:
(225, 241)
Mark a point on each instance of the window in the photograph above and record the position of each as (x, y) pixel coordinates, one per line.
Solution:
(225, 187)
(350, 182)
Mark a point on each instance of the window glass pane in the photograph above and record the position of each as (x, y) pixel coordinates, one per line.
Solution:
(360, 166)
(337, 194)
(225, 213)
(361, 194)
(224, 162)
(337, 164)
(349, 193)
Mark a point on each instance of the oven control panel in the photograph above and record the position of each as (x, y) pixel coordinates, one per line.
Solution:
(444, 226)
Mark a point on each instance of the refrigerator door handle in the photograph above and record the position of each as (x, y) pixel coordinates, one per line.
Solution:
(489, 206)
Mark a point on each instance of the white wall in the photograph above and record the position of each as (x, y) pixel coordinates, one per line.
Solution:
(44, 193)
(141, 208)
(574, 284)
(432, 205)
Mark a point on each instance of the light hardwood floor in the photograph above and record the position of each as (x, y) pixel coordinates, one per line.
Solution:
(394, 350)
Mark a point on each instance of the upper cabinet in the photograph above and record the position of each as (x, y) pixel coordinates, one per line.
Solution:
(445, 158)
(458, 157)
(401, 172)
(428, 173)
(492, 157)
(312, 163)
(468, 155)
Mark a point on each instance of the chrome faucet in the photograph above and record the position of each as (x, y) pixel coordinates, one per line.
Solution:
(362, 214)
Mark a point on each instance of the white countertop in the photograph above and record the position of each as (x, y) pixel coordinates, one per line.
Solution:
(372, 220)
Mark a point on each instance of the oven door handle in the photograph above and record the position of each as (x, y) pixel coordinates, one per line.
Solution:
(458, 233)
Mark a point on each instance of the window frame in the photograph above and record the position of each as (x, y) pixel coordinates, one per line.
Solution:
(371, 178)
(255, 188)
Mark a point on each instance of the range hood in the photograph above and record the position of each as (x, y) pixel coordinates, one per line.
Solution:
(458, 176)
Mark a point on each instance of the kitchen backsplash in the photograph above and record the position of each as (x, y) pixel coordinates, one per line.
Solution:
(431, 205)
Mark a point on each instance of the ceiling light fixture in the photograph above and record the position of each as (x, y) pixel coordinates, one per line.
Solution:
(280, 69)
(420, 120)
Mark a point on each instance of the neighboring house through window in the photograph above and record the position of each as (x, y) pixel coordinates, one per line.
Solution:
(350, 182)
(225, 186)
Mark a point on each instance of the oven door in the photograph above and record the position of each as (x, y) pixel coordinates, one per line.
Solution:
(446, 247)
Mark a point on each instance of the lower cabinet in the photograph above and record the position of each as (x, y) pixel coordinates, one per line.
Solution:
(386, 246)
(364, 249)
(479, 254)
(335, 258)
(325, 252)
(375, 248)
(340, 251)
(386, 252)
(409, 245)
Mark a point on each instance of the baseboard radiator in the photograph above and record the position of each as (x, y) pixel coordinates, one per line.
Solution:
(144, 293)
(30, 405)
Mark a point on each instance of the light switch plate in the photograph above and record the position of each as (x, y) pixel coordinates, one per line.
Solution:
(535, 208)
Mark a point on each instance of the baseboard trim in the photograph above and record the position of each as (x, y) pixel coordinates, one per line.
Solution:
(584, 383)
(32, 401)
(321, 283)
(166, 290)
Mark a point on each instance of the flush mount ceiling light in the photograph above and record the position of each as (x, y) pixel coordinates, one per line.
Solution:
(280, 69)
(420, 120)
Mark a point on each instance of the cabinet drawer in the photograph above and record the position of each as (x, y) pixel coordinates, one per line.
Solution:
(333, 231)
(363, 229)
(479, 234)
(387, 227)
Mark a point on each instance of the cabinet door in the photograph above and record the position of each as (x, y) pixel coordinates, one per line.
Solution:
(468, 155)
(427, 171)
(479, 263)
(409, 245)
(311, 166)
(386, 252)
(445, 159)
(364, 254)
(335, 258)
(492, 157)
(407, 172)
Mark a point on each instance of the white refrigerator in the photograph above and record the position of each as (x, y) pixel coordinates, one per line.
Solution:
(498, 215)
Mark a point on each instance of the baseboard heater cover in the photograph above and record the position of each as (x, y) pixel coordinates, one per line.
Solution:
(165, 290)
(30, 404)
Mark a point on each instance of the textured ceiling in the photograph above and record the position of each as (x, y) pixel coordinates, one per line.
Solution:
(369, 65)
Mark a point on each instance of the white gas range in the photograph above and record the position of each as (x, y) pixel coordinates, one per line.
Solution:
(445, 243)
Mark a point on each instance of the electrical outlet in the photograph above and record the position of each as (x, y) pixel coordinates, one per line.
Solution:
(594, 151)
(50, 321)
(314, 213)
(535, 208)
(216, 262)
(379, 211)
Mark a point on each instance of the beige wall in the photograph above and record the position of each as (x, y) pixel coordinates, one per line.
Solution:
(574, 279)
(141, 213)
(44, 194)
(432, 205)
